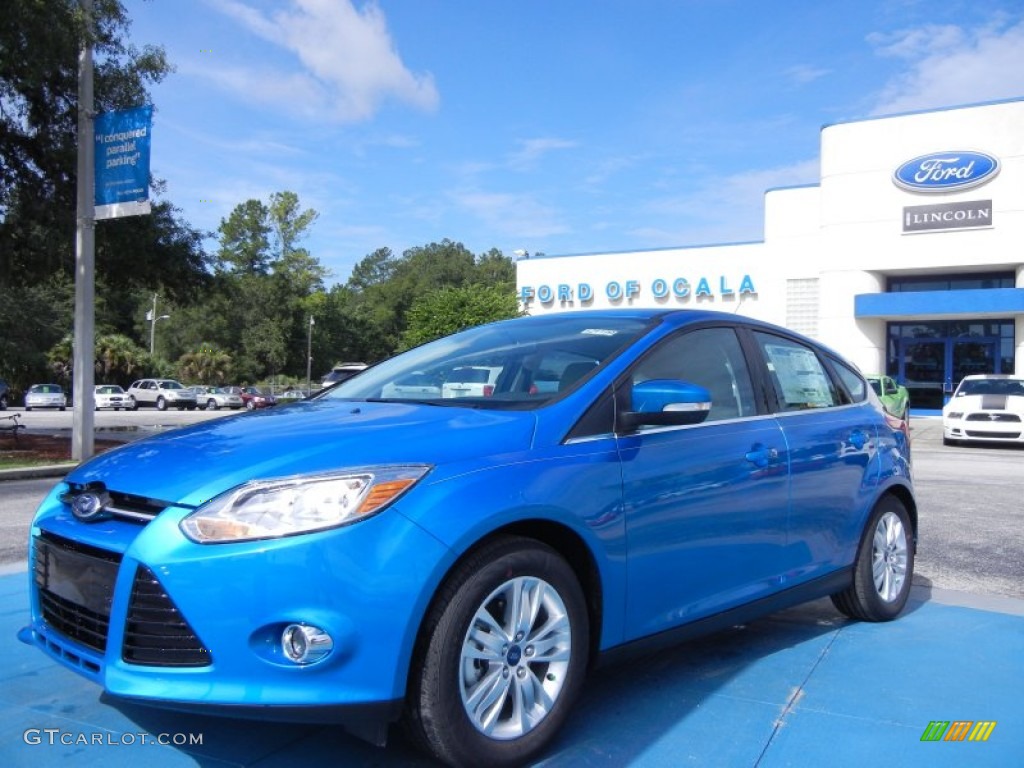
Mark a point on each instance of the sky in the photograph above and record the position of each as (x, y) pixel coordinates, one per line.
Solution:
(545, 126)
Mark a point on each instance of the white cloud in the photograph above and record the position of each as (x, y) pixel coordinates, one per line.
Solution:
(347, 64)
(511, 214)
(803, 74)
(950, 66)
(532, 150)
(729, 209)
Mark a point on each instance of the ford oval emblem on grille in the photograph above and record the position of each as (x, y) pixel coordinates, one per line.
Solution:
(89, 507)
(946, 171)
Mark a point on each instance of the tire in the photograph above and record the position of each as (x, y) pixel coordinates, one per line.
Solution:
(249, 405)
(211, 405)
(27, 408)
(949, 441)
(161, 404)
(473, 668)
(134, 406)
(884, 568)
(3, 402)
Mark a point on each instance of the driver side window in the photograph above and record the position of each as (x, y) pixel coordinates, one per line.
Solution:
(711, 358)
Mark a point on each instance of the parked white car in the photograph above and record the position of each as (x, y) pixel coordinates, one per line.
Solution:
(414, 386)
(470, 381)
(985, 408)
(45, 396)
(163, 393)
(111, 396)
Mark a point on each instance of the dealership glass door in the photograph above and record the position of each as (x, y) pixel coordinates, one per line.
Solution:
(931, 368)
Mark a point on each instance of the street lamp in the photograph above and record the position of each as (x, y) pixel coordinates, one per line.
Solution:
(309, 355)
(152, 317)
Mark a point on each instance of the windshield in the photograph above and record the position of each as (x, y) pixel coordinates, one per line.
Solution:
(523, 362)
(991, 387)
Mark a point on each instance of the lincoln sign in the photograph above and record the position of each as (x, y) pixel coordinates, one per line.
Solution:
(944, 216)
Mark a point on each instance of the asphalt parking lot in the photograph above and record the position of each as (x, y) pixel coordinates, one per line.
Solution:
(803, 687)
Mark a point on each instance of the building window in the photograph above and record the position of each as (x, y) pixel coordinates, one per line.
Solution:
(802, 306)
(974, 282)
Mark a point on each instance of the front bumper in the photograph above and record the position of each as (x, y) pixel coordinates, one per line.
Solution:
(984, 426)
(216, 646)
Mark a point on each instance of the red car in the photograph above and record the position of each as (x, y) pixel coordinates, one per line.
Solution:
(252, 397)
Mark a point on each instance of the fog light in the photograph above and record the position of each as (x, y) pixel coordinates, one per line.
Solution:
(304, 644)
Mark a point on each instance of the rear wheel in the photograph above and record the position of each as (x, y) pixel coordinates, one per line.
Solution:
(884, 567)
(502, 659)
(211, 404)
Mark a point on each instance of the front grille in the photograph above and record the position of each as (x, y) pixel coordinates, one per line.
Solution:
(155, 632)
(1004, 417)
(993, 435)
(76, 587)
(127, 506)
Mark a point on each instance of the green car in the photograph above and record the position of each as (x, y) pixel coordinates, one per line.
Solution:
(894, 396)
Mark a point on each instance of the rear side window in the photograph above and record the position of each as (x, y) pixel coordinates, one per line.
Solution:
(854, 383)
(797, 375)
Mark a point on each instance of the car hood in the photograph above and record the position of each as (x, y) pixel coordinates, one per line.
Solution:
(192, 465)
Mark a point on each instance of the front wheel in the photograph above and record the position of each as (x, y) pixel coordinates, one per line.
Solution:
(161, 404)
(502, 658)
(884, 567)
(250, 405)
(211, 405)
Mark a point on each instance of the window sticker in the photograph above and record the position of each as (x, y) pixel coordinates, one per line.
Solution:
(804, 383)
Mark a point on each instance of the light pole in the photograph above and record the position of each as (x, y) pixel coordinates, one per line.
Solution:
(309, 354)
(152, 317)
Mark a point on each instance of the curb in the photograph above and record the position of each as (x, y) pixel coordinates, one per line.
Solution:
(29, 473)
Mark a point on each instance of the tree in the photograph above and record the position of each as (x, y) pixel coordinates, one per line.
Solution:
(245, 240)
(118, 360)
(207, 365)
(32, 319)
(288, 222)
(39, 47)
(448, 310)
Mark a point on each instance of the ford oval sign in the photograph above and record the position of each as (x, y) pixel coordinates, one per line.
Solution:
(946, 171)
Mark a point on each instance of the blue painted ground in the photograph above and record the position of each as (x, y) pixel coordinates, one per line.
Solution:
(804, 687)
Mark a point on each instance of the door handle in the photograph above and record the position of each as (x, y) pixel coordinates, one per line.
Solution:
(761, 456)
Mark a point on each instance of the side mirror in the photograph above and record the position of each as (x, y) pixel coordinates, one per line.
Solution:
(666, 402)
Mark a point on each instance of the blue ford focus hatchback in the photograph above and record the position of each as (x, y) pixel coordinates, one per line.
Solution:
(383, 554)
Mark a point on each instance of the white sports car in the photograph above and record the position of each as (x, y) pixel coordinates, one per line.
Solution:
(987, 407)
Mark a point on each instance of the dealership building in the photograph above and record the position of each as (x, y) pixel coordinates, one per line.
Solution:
(907, 256)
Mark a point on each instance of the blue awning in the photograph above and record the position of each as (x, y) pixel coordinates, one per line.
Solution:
(991, 302)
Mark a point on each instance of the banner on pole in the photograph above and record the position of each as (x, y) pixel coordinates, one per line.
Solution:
(122, 162)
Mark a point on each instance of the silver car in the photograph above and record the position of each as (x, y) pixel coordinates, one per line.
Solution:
(163, 393)
(213, 398)
(45, 396)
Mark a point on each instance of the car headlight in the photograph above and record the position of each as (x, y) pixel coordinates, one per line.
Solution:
(265, 509)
